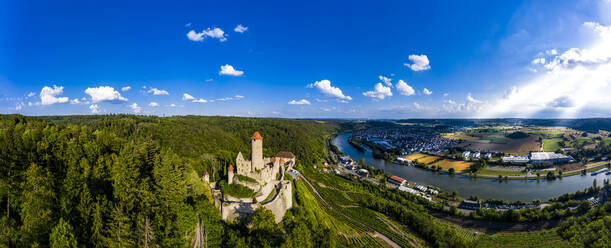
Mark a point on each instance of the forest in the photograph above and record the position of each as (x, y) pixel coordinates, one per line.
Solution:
(125, 181)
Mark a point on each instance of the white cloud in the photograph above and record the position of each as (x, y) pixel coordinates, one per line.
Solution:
(49, 95)
(31, 94)
(471, 99)
(187, 97)
(19, 106)
(450, 101)
(224, 99)
(156, 91)
(379, 92)
(104, 93)
(387, 81)
(238, 97)
(135, 108)
(209, 80)
(172, 105)
(212, 33)
(445, 94)
(230, 71)
(240, 29)
(126, 88)
(94, 108)
(420, 62)
(154, 104)
(404, 88)
(538, 61)
(551, 52)
(427, 92)
(201, 100)
(300, 102)
(188, 25)
(75, 101)
(324, 87)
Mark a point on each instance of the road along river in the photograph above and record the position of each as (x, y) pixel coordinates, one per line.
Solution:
(511, 190)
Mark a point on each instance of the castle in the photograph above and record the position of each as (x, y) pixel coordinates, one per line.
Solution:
(268, 174)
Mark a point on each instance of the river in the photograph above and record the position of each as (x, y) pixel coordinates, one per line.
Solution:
(511, 190)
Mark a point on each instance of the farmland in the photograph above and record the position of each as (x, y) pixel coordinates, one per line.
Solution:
(551, 145)
(457, 165)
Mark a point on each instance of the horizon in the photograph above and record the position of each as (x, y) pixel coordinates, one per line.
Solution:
(360, 61)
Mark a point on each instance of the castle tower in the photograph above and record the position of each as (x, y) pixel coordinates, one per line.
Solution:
(257, 151)
(230, 174)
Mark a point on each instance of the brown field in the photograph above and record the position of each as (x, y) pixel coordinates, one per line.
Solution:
(457, 165)
(422, 158)
(519, 146)
(414, 156)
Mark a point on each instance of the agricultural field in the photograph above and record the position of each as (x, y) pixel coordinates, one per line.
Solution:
(519, 146)
(551, 145)
(446, 164)
(422, 158)
(547, 238)
(492, 172)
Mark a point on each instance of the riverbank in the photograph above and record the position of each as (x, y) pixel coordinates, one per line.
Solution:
(509, 175)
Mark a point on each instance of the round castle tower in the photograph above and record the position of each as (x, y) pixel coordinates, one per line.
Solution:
(256, 159)
(230, 174)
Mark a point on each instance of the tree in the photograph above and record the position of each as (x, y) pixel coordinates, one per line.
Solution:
(62, 236)
(119, 232)
(36, 213)
(451, 171)
(585, 205)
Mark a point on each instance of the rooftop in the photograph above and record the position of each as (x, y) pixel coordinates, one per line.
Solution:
(285, 155)
(546, 156)
(256, 136)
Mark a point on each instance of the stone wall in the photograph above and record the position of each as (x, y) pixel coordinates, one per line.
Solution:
(281, 202)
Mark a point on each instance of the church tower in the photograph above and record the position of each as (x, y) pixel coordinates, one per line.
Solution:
(257, 151)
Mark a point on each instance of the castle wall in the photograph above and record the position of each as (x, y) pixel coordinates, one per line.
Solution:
(281, 202)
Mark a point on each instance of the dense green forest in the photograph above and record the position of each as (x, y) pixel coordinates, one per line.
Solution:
(124, 181)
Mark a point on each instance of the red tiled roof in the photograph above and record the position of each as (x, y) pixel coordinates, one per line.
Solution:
(256, 135)
(396, 178)
(273, 159)
(230, 167)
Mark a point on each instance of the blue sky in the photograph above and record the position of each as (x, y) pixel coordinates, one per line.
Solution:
(340, 59)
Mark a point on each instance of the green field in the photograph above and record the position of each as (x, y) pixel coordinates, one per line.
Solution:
(547, 238)
(551, 145)
(488, 172)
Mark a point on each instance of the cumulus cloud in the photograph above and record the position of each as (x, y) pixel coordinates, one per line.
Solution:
(472, 100)
(538, 61)
(387, 81)
(135, 108)
(404, 89)
(201, 100)
(324, 86)
(94, 108)
(420, 62)
(379, 92)
(551, 52)
(126, 88)
(156, 91)
(50, 95)
(230, 71)
(238, 97)
(104, 94)
(75, 101)
(224, 99)
(187, 97)
(427, 92)
(240, 28)
(153, 104)
(216, 33)
(300, 102)
(31, 94)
